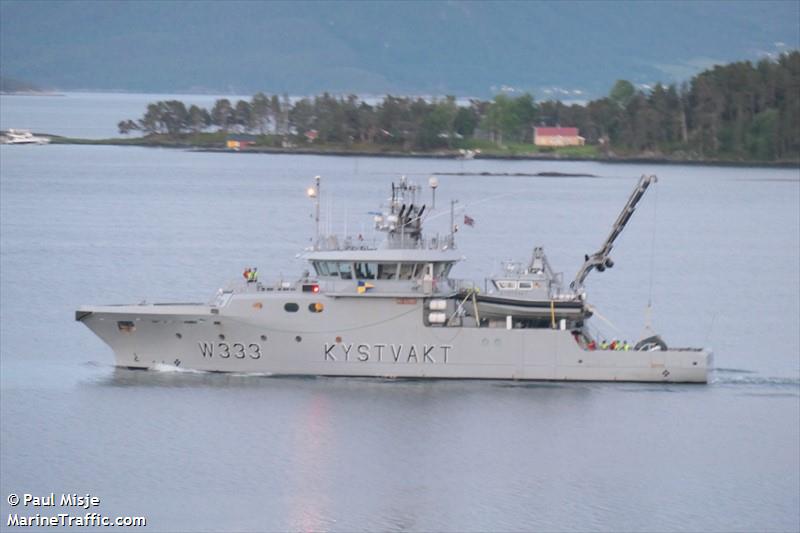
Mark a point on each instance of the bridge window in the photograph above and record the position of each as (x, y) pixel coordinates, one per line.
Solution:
(322, 268)
(340, 269)
(525, 285)
(345, 270)
(440, 270)
(366, 270)
(406, 271)
(387, 271)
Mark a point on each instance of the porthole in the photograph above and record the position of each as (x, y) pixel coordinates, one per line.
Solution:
(179, 335)
(263, 337)
(221, 337)
(126, 326)
(298, 338)
(291, 307)
(316, 307)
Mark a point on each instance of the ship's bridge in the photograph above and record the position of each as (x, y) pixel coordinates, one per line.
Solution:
(403, 261)
(383, 264)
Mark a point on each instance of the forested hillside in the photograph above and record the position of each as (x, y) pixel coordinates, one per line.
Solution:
(740, 111)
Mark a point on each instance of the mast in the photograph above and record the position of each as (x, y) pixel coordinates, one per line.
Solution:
(313, 192)
(316, 208)
(452, 223)
(600, 259)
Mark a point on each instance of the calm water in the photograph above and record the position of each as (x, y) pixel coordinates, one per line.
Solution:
(86, 115)
(193, 451)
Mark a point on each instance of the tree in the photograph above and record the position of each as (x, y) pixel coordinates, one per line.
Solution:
(622, 92)
(127, 126)
(222, 114)
(510, 118)
(352, 118)
(284, 108)
(495, 118)
(437, 127)
(261, 112)
(761, 140)
(368, 123)
(174, 116)
(301, 117)
(151, 121)
(394, 120)
(243, 116)
(466, 120)
(199, 119)
(329, 119)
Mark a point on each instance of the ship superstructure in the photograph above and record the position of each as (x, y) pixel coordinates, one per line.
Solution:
(393, 310)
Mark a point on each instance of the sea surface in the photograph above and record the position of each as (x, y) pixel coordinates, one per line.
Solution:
(716, 250)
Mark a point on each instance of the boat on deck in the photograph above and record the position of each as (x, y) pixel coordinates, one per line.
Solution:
(532, 295)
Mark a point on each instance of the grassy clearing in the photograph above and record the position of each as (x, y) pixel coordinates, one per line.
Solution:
(217, 140)
(524, 149)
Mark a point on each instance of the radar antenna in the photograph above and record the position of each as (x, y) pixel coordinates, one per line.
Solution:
(600, 259)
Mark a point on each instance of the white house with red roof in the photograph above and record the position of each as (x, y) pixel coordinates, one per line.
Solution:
(557, 136)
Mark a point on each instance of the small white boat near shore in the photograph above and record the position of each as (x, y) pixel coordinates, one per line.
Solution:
(12, 136)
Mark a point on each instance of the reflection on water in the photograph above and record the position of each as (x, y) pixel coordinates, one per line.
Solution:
(176, 378)
(311, 435)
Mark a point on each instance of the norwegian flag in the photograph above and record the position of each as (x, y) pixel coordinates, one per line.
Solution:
(469, 221)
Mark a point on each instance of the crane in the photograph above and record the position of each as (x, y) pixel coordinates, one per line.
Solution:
(600, 259)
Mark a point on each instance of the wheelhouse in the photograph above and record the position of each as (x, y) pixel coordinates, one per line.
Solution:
(381, 270)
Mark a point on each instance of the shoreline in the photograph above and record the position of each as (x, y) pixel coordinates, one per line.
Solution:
(454, 154)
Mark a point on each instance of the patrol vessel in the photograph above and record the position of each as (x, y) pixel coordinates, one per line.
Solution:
(392, 310)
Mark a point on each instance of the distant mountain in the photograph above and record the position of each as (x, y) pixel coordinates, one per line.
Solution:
(11, 86)
(569, 50)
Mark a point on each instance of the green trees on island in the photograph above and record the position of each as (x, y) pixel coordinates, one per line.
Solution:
(736, 111)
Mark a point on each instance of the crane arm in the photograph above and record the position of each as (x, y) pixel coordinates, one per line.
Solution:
(600, 259)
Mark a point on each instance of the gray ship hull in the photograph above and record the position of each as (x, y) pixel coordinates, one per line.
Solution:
(254, 333)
